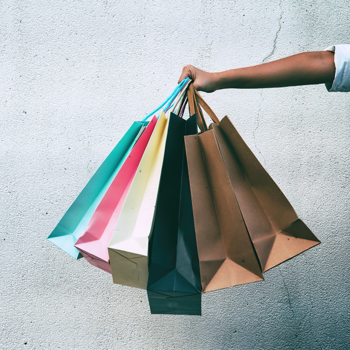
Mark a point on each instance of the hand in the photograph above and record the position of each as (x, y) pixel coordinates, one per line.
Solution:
(202, 81)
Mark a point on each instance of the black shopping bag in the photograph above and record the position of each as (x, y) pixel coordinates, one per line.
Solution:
(174, 285)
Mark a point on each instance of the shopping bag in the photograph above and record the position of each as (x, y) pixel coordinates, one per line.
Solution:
(73, 223)
(215, 163)
(174, 280)
(226, 255)
(275, 229)
(128, 247)
(94, 242)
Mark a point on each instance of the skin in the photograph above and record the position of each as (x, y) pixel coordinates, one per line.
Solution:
(301, 69)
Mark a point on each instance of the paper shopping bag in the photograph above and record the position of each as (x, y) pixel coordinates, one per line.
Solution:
(174, 280)
(275, 229)
(226, 254)
(255, 197)
(93, 244)
(74, 222)
(128, 247)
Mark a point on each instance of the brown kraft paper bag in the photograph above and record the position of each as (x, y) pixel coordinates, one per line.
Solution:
(232, 194)
(274, 228)
(226, 254)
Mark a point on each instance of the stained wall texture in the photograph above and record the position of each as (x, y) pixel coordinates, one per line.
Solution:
(73, 77)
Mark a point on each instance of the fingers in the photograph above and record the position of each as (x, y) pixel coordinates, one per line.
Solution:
(202, 81)
(187, 71)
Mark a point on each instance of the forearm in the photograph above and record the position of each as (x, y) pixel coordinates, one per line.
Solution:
(301, 69)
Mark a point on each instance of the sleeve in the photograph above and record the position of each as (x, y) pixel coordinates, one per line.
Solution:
(341, 80)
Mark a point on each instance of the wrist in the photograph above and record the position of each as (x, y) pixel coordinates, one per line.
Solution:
(226, 79)
(217, 81)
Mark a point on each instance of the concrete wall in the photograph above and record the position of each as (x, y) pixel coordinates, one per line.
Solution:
(74, 75)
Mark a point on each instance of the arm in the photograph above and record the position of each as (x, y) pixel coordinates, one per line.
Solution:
(301, 69)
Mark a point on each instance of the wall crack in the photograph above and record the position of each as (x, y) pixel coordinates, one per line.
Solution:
(276, 35)
(288, 296)
(264, 61)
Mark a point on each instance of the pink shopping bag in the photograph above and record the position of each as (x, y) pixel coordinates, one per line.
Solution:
(94, 242)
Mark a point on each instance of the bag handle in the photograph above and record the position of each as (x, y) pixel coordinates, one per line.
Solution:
(176, 104)
(195, 108)
(205, 106)
(169, 100)
(196, 103)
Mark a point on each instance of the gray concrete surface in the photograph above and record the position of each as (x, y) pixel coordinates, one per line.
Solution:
(74, 75)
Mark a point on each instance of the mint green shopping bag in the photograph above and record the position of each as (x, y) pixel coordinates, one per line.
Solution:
(75, 220)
